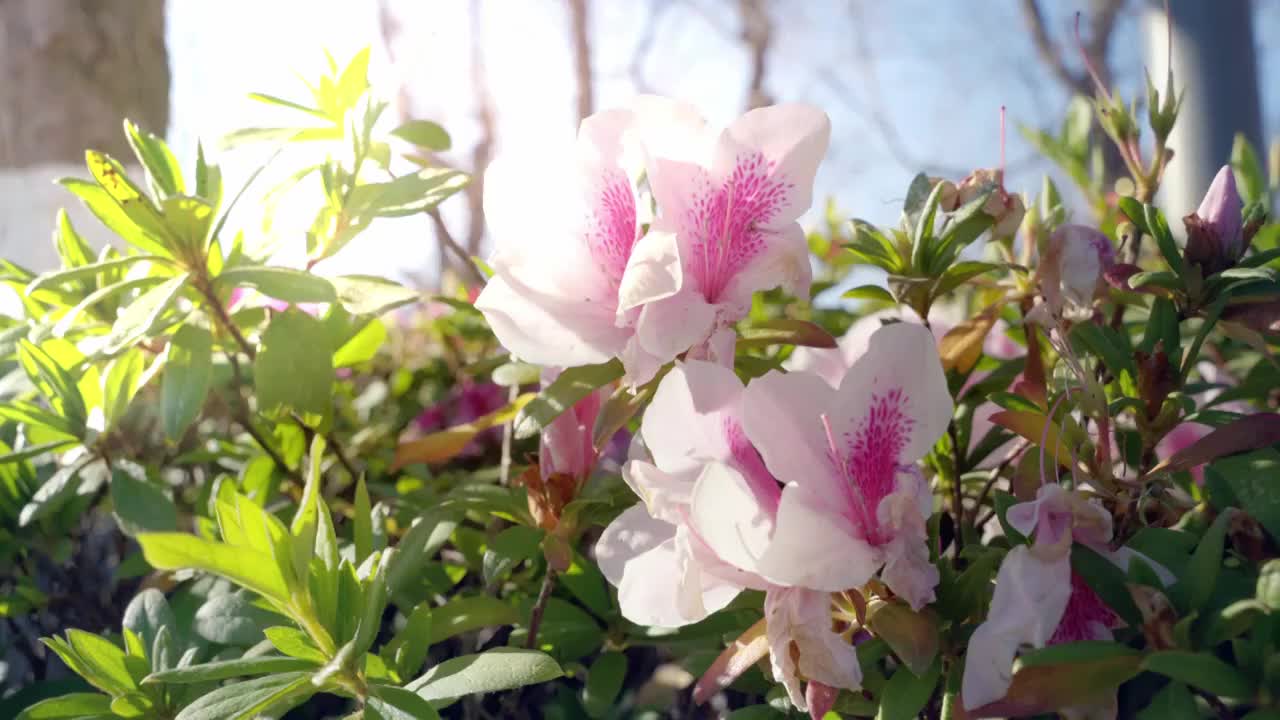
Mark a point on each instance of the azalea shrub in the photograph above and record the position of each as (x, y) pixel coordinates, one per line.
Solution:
(654, 456)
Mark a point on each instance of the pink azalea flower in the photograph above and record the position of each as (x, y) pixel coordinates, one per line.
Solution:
(706, 518)
(1215, 231)
(707, 504)
(802, 644)
(553, 299)
(566, 445)
(854, 502)
(1072, 271)
(466, 401)
(1038, 599)
(726, 224)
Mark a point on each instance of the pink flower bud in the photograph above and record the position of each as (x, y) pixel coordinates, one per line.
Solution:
(1215, 231)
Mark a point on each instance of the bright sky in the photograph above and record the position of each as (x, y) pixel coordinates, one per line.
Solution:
(936, 72)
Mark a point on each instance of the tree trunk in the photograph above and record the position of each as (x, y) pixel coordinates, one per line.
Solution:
(73, 69)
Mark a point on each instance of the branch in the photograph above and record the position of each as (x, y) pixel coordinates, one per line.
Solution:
(482, 153)
(757, 33)
(579, 26)
(447, 241)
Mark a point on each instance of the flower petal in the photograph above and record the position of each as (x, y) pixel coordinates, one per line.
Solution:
(781, 416)
(653, 271)
(631, 534)
(907, 570)
(726, 515)
(672, 325)
(665, 495)
(783, 261)
(1030, 598)
(899, 381)
(683, 427)
(801, 643)
(665, 587)
(792, 138)
(814, 548)
(547, 328)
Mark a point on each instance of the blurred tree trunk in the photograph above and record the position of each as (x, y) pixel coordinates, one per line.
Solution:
(1214, 61)
(72, 69)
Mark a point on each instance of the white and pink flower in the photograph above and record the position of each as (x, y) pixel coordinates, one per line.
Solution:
(587, 284)
(707, 503)
(854, 501)
(1039, 600)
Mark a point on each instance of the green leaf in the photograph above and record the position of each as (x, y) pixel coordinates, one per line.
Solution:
(188, 371)
(913, 636)
(1173, 702)
(870, 292)
(369, 295)
(1253, 479)
(905, 695)
(273, 100)
(1159, 229)
(189, 221)
(143, 315)
(101, 294)
(121, 383)
(232, 619)
(1107, 344)
(88, 272)
(362, 518)
(72, 249)
(147, 613)
(393, 703)
(293, 369)
(249, 568)
(409, 648)
(281, 283)
(54, 382)
(227, 669)
(786, 331)
(1075, 652)
(498, 669)
(604, 682)
(424, 134)
(426, 536)
(247, 698)
(1250, 178)
(363, 346)
(156, 159)
(571, 386)
(464, 614)
(293, 642)
(407, 194)
(1200, 670)
(113, 216)
(208, 179)
(140, 506)
(511, 547)
(103, 662)
(962, 272)
(1202, 572)
(68, 707)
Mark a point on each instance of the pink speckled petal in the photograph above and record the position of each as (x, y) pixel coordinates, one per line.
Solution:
(792, 139)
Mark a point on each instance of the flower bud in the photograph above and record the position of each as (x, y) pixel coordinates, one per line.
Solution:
(1005, 208)
(1215, 231)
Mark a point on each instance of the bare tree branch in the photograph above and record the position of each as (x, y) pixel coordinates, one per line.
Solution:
(1096, 48)
(579, 27)
(757, 32)
(482, 153)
